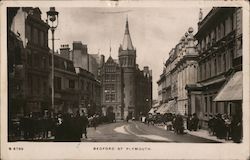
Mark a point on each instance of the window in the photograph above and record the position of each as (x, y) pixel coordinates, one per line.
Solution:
(38, 89)
(112, 96)
(71, 84)
(30, 81)
(35, 36)
(29, 58)
(44, 62)
(219, 63)
(218, 32)
(41, 38)
(216, 107)
(200, 68)
(46, 39)
(82, 84)
(205, 70)
(209, 68)
(107, 77)
(88, 86)
(224, 62)
(113, 77)
(58, 83)
(205, 104)
(222, 30)
(107, 97)
(225, 107)
(215, 67)
(211, 104)
(232, 22)
(44, 88)
(28, 32)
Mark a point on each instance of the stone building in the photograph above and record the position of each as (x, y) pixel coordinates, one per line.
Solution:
(219, 86)
(84, 60)
(180, 70)
(83, 86)
(127, 60)
(112, 89)
(16, 69)
(33, 32)
(133, 87)
(65, 85)
(89, 92)
(143, 92)
(186, 69)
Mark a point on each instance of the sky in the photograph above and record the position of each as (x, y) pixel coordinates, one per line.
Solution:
(154, 31)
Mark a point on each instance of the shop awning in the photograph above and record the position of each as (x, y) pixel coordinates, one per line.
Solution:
(152, 111)
(167, 108)
(161, 108)
(232, 90)
(171, 107)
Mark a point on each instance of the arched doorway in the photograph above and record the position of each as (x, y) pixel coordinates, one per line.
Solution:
(110, 114)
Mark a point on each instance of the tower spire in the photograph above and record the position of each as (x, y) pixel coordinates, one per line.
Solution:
(127, 42)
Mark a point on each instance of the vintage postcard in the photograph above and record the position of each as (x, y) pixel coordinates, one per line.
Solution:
(124, 80)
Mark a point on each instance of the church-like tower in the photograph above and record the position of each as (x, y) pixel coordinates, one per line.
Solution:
(127, 60)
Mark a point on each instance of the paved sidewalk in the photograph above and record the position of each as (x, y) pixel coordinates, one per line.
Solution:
(204, 134)
(200, 133)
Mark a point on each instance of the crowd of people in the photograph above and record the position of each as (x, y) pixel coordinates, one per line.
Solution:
(61, 127)
(221, 126)
(226, 127)
(171, 121)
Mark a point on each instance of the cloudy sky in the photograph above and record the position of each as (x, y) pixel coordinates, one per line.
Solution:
(154, 31)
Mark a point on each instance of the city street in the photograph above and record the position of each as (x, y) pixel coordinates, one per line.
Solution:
(135, 131)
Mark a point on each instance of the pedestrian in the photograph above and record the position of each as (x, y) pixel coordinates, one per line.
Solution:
(84, 124)
(227, 126)
(237, 128)
(195, 122)
(127, 118)
(189, 122)
(76, 127)
(59, 135)
(94, 121)
(210, 124)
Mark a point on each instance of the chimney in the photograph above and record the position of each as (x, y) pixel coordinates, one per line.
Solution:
(65, 51)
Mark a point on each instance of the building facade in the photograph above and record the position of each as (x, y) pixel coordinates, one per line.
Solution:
(65, 86)
(33, 32)
(129, 92)
(186, 70)
(127, 60)
(83, 86)
(220, 60)
(180, 70)
(112, 89)
(84, 60)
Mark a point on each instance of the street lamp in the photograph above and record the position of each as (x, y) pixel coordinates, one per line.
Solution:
(52, 16)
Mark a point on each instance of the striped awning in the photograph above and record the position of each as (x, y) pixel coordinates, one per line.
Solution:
(232, 90)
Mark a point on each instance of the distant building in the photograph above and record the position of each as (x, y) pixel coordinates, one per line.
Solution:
(80, 55)
(219, 86)
(84, 60)
(112, 89)
(130, 91)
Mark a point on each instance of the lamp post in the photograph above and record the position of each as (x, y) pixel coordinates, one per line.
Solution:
(52, 16)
